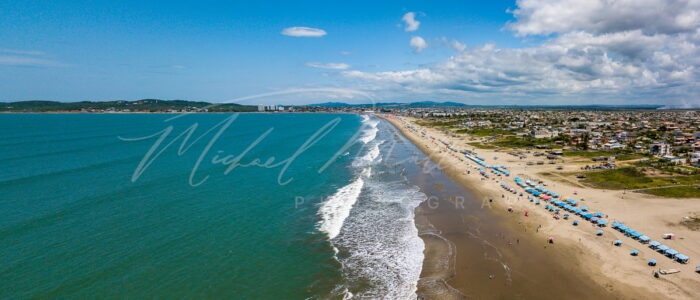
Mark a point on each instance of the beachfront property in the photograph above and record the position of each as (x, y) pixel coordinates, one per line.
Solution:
(673, 134)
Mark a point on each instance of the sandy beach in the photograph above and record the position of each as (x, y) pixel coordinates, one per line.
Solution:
(591, 261)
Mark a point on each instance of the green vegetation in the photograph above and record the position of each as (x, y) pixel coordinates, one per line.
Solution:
(482, 146)
(676, 192)
(693, 223)
(481, 132)
(633, 178)
(522, 141)
(669, 168)
(145, 105)
(439, 123)
(591, 154)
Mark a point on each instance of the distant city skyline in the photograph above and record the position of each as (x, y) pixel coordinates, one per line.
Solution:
(525, 52)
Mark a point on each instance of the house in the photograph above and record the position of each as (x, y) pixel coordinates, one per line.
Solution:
(660, 149)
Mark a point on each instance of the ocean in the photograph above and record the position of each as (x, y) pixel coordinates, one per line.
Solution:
(246, 206)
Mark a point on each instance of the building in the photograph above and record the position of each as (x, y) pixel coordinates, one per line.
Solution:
(261, 107)
(660, 149)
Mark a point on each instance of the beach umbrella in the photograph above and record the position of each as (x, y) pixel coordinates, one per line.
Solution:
(599, 232)
(663, 248)
(652, 262)
(594, 219)
(599, 214)
(615, 224)
(617, 242)
(644, 238)
(575, 222)
(584, 208)
(634, 252)
(602, 222)
(654, 244)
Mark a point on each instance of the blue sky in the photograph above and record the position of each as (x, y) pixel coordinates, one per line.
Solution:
(223, 50)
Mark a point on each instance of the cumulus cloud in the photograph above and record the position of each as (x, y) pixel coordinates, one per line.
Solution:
(418, 44)
(643, 50)
(536, 17)
(303, 32)
(411, 23)
(333, 66)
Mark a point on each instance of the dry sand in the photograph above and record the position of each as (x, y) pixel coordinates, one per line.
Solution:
(594, 256)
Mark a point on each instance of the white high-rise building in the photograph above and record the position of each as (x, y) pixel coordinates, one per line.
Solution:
(261, 107)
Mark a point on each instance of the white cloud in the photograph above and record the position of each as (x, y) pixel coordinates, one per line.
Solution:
(345, 52)
(333, 66)
(27, 61)
(536, 17)
(643, 51)
(21, 52)
(418, 44)
(303, 32)
(411, 23)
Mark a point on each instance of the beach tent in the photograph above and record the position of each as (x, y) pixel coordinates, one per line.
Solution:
(599, 232)
(662, 248)
(644, 239)
(682, 258)
(634, 252)
(615, 224)
(654, 244)
(584, 208)
(670, 252)
(617, 242)
(599, 214)
(602, 223)
(652, 262)
(575, 222)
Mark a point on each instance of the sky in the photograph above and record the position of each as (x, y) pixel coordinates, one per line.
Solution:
(300, 52)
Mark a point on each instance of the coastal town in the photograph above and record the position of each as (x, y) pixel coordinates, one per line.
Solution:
(632, 175)
(671, 136)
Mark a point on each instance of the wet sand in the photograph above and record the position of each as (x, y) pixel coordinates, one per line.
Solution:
(475, 249)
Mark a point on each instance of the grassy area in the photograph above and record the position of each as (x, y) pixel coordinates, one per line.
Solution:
(481, 146)
(481, 132)
(676, 192)
(439, 123)
(632, 178)
(591, 154)
(693, 223)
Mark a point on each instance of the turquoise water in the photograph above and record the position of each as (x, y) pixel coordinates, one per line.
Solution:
(75, 222)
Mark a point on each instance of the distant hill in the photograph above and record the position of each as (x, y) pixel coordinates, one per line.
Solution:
(143, 105)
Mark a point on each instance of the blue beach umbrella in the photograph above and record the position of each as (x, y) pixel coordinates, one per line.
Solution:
(617, 243)
(652, 262)
(599, 232)
(634, 252)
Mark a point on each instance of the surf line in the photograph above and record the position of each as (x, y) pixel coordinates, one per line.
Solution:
(232, 161)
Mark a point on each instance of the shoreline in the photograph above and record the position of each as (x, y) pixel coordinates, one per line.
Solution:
(590, 261)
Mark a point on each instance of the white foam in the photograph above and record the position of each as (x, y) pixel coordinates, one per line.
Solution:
(382, 243)
(337, 208)
(370, 129)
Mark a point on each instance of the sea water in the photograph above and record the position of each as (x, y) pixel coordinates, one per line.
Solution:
(243, 206)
